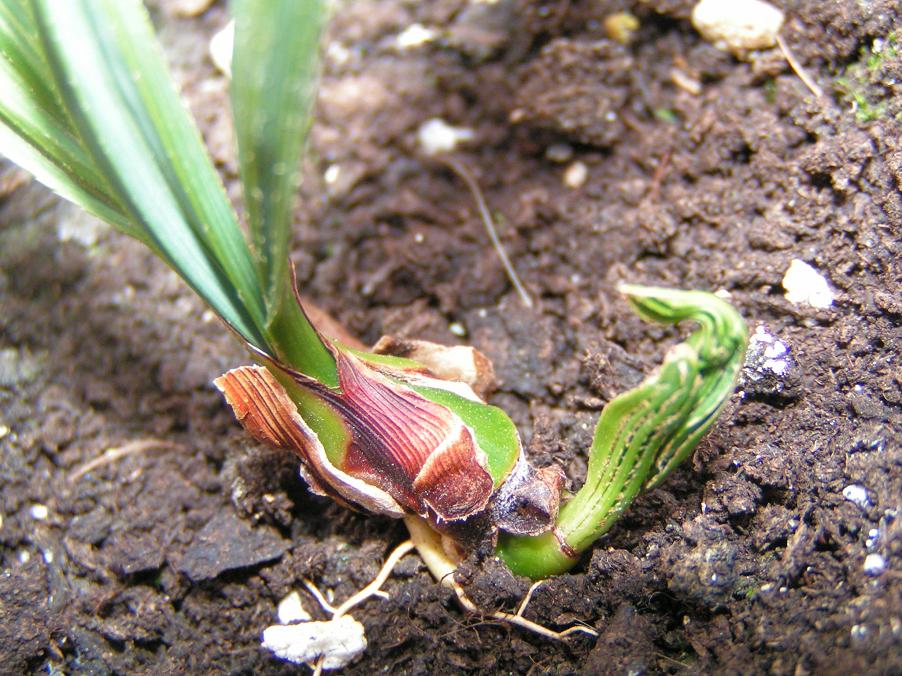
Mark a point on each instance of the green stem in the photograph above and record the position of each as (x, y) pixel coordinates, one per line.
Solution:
(645, 433)
(296, 341)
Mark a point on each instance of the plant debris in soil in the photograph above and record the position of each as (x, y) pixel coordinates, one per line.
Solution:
(754, 557)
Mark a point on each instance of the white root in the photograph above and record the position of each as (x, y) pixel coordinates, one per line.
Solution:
(429, 547)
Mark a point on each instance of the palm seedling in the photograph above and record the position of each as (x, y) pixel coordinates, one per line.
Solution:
(87, 106)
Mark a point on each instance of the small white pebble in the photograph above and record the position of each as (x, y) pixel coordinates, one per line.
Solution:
(418, 238)
(331, 174)
(39, 512)
(457, 329)
(685, 82)
(575, 175)
(873, 537)
(804, 284)
(48, 556)
(738, 25)
(414, 35)
(221, 47)
(774, 350)
(859, 631)
(437, 136)
(338, 641)
(24, 556)
(4, 431)
(857, 494)
(874, 565)
(774, 353)
(291, 609)
(208, 316)
(559, 152)
(338, 53)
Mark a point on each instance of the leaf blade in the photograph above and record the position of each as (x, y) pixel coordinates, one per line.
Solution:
(274, 68)
(273, 87)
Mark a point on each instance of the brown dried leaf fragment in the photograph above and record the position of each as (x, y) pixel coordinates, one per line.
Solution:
(456, 364)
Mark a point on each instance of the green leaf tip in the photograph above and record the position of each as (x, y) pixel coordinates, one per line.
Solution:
(643, 434)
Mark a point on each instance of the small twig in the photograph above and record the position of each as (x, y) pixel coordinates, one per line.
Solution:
(129, 448)
(798, 69)
(684, 665)
(489, 224)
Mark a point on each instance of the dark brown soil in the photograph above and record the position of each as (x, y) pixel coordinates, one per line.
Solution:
(748, 560)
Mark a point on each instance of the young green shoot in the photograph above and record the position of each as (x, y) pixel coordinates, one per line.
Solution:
(89, 108)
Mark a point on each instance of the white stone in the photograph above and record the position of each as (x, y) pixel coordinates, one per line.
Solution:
(39, 512)
(338, 53)
(221, 46)
(874, 565)
(804, 284)
(414, 35)
(338, 641)
(437, 136)
(291, 609)
(575, 175)
(738, 25)
(559, 152)
(331, 174)
(873, 537)
(857, 494)
(775, 353)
